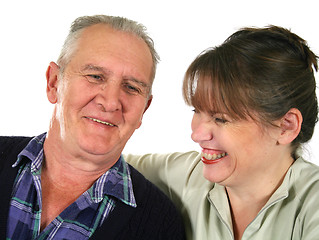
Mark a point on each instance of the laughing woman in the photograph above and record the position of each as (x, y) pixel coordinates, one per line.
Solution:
(254, 106)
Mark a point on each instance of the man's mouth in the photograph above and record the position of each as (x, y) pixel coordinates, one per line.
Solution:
(212, 158)
(102, 122)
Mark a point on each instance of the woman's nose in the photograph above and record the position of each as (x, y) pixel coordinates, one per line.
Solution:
(201, 129)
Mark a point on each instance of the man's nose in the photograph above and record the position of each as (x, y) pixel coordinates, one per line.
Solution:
(109, 98)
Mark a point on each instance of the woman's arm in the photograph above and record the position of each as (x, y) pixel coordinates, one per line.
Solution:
(169, 172)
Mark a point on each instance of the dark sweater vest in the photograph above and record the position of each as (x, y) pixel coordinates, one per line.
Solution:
(155, 217)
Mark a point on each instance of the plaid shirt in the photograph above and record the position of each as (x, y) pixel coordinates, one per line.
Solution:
(81, 218)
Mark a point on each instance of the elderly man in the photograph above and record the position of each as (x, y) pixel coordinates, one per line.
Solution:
(73, 183)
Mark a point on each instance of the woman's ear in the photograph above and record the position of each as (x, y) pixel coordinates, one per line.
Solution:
(290, 126)
(52, 82)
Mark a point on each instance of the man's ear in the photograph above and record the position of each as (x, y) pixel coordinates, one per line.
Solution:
(52, 82)
(290, 126)
(149, 101)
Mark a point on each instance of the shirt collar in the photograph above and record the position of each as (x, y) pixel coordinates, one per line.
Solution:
(115, 182)
(32, 152)
(218, 196)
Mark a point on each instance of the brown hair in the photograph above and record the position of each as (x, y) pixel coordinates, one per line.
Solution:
(266, 71)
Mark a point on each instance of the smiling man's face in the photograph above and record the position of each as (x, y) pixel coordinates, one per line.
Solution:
(104, 91)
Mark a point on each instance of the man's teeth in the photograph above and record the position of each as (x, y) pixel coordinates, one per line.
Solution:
(99, 121)
(213, 156)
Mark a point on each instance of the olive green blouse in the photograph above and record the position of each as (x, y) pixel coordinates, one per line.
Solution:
(292, 212)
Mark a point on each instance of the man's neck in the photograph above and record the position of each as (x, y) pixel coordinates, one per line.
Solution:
(65, 162)
(64, 178)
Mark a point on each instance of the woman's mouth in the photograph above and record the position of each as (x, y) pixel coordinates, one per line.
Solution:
(208, 158)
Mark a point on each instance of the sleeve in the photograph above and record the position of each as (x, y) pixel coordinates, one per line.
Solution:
(309, 220)
(169, 172)
(311, 231)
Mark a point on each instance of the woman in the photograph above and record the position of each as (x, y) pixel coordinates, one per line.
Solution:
(254, 105)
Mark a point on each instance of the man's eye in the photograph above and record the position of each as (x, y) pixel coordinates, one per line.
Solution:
(94, 78)
(131, 89)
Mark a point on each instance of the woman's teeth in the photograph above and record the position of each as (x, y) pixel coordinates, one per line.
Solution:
(99, 121)
(213, 156)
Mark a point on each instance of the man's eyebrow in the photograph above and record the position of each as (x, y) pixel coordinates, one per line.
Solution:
(95, 68)
(139, 82)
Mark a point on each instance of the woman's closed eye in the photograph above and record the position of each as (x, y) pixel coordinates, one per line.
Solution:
(220, 120)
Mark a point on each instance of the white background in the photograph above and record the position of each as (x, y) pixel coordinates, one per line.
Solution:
(32, 33)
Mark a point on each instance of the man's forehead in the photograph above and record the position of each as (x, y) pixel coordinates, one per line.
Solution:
(101, 40)
(104, 33)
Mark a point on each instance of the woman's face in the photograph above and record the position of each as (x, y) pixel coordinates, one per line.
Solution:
(235, 151)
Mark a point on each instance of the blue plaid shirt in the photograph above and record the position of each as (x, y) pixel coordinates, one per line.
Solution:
(81, 218)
